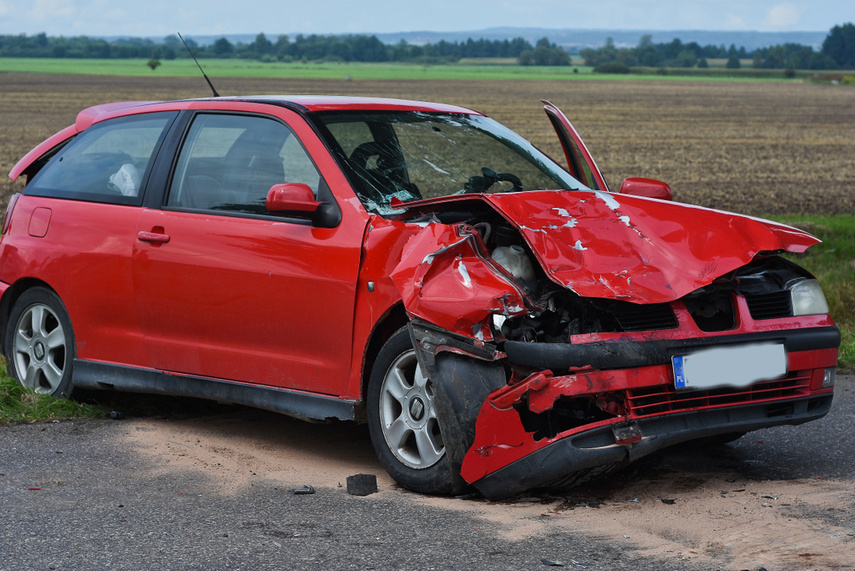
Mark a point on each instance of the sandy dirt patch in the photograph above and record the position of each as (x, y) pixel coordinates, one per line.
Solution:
(682, 505)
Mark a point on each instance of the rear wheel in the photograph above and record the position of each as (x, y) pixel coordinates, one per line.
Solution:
(403, 422)
(40, 343)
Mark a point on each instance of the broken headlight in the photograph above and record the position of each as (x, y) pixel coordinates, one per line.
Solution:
(807, 297)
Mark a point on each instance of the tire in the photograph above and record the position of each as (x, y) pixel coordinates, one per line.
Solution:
(403, 423)
(40, 345)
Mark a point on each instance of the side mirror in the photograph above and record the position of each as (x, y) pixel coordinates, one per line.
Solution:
(291, 197)
(647, 187)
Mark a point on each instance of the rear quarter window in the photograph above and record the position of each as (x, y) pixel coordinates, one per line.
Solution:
(108, 162)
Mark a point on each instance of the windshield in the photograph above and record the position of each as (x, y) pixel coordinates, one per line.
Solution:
(414, 155)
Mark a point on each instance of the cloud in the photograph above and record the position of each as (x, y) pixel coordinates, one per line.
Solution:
(51, 10)
(735, 22)
(783, 15)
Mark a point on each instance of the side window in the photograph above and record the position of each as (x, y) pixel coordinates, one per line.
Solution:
(107, 162)
(229, 162)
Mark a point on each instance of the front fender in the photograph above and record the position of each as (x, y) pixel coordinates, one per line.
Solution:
(447, 278)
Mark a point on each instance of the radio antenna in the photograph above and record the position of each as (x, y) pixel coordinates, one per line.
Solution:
(211, 85)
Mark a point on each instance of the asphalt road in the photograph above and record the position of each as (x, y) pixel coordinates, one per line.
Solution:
(72, 496)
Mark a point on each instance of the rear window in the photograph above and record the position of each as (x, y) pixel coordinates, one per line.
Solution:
(108, 162)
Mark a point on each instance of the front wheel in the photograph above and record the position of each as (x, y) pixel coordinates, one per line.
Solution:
(403, 422)
(40, 343)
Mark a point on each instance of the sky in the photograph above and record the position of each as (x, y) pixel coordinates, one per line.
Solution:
(159, 18)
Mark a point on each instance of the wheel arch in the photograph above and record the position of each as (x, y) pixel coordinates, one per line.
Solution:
(7, 302)
(391, 321)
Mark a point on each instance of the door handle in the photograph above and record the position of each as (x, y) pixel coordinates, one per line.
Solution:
(153, 237)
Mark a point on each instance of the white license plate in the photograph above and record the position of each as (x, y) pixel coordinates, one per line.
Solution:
(735, 366)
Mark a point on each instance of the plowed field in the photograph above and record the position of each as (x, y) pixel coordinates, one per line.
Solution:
(757, 148)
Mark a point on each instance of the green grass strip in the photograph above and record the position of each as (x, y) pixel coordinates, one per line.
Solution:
(470, 70)
(19, 404)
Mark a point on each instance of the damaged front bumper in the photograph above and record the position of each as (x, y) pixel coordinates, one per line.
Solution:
(509, 434)
(579, 456)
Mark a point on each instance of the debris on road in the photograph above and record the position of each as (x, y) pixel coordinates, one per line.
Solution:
(361, 484)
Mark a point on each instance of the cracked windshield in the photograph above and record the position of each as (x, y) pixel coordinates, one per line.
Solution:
(397, 156)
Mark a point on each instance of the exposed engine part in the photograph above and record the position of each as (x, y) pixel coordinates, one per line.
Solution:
(557, 313)
(516, 261)
(713, 308)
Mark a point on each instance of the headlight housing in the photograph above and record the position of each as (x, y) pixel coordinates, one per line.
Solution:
(807, 297)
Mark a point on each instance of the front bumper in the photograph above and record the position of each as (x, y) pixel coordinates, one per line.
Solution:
(577, 457)
(606, 404)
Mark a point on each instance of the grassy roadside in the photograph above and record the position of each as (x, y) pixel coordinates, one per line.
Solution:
(19, 404)
(833, 263)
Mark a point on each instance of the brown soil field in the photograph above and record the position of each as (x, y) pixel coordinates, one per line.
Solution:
(756, 148)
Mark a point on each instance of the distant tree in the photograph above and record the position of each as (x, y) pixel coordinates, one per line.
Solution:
(605, 54)
(733, 62)
(173, 43)
(223, 47)
(368, 48)
(153, 63)
(262, 45)
(839, 45)
(646, 52)
(702, 63)
(686, 58)
(282, 47)
(544, 53)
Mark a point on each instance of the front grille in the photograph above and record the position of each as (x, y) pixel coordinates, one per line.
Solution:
(772, 305)
(712, 311)
(664, 400)
(633, 317)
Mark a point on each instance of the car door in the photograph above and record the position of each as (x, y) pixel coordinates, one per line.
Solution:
(227, 290)
(579, 161)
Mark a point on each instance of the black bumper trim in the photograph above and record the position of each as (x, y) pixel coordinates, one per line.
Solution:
(553, 464)
(618, 354)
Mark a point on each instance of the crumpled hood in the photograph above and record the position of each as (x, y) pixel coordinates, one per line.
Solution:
(614, 246)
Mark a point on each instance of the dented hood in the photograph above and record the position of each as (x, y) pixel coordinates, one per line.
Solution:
(605, 245)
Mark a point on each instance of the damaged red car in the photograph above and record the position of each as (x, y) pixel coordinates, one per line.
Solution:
(502, 321)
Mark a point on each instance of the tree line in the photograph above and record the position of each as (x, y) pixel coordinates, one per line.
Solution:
(359, 48)
(838, 52)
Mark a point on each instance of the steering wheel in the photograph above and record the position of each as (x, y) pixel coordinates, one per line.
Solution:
(388, 174)
(489, 178)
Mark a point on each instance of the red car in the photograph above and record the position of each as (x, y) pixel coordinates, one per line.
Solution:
(501, 321)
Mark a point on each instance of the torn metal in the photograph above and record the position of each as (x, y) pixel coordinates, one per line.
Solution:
(554, 378)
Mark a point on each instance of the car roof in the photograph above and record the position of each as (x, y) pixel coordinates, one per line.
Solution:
(348, 103)
(304, 103)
